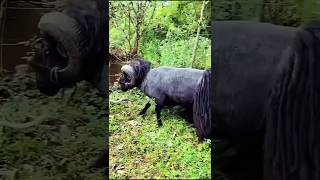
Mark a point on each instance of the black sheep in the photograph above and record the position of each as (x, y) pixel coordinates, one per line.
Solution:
(169, 86)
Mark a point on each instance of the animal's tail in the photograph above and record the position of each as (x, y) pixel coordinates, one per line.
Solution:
(202, 108)
(292, 140)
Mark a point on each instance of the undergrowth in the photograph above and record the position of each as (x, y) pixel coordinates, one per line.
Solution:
(138, 149)
(64, 145)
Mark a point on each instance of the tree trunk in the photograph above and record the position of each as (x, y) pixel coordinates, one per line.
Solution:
(198, 34)
(138, 13)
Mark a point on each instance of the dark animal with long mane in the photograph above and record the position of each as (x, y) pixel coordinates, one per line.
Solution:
(72, 47)
(265, 101)
(202, 107)
(247, 129)
(292, 146)
(169, 86)
(245, 54)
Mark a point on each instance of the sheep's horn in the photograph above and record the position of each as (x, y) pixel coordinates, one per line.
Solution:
(130, 72)
(65, 30)
(128, 69)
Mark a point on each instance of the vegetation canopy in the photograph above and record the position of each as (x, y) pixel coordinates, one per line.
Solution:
(163, 32)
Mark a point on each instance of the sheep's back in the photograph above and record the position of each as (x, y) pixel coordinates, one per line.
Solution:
(177, 84)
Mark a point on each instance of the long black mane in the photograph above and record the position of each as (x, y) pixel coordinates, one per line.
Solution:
(202, 108)
(141, 68)
(292, 145)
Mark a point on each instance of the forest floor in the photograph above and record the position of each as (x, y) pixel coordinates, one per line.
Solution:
(70, 137)
(139, 150)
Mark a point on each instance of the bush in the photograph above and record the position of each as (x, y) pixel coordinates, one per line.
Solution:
(167, 34)
(177, 53)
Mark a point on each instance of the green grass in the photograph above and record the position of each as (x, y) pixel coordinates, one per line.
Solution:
(63, 146)
(138, 149)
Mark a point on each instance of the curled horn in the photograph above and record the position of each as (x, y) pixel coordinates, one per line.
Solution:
(130, 72)
(66, 31)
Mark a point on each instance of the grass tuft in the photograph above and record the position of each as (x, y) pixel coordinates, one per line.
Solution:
(138, 149)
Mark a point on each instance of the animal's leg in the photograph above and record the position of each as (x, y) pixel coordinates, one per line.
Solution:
(144, 110)
(159, 107)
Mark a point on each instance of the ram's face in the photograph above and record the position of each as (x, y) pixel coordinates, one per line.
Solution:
(48, 55)
(127, 79)
(124, 79)
(58, 60)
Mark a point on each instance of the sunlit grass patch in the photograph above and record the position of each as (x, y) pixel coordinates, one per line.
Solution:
(138, 149)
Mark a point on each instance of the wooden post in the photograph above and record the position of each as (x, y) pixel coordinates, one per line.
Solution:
(198, 34)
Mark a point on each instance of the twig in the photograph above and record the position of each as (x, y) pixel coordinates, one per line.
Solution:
(116, 101)
(2, 9)
(3, 6)
(124, 32)
(117, 57)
